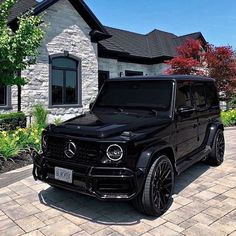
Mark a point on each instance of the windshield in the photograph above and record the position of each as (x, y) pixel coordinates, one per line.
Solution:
(136, 94)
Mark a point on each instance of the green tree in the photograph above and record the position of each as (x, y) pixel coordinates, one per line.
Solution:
(18, 48)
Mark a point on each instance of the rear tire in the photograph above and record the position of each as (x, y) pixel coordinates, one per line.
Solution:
(216, 156)
(155, 198)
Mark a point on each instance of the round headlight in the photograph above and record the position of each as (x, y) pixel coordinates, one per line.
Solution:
(114, 152)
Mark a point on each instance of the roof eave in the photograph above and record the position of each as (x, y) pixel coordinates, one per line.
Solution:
(81, 7)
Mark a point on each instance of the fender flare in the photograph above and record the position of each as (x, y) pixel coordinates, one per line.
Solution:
(147, 155)
(212, 131)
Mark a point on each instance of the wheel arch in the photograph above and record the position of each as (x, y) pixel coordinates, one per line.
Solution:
(212, 131)
(168, 151)
(149, 155)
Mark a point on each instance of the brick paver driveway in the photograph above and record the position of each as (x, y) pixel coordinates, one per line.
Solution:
(204, 204)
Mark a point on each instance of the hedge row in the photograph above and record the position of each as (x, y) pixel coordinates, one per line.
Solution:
(11, 121)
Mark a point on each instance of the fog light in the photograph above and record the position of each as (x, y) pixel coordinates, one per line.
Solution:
(114, 152)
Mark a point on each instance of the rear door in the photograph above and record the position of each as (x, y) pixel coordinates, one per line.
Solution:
(186, 123)
(202, 111)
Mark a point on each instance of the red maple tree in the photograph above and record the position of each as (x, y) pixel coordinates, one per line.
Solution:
(215, 62)
(187, 60)
(221, 65)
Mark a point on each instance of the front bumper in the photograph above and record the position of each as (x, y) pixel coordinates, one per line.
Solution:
(104, 183)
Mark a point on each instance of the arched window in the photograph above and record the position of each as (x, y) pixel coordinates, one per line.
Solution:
(65, 81)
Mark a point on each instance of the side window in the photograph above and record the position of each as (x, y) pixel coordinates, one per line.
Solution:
(212, 96)
(183, 94)
(199, 95)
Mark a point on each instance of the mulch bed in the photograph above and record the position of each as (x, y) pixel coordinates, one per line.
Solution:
(14, 163)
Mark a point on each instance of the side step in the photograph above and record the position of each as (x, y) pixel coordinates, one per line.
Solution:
(187, 162)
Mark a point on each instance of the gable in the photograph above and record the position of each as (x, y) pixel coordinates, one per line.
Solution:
(98, 30)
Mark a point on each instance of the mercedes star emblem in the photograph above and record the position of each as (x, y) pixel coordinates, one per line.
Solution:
(70, 149)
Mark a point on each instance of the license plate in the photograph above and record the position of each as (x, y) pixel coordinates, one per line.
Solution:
(63, 174)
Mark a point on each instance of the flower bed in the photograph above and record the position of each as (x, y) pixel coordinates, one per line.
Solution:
(18, 142)
(16, 145)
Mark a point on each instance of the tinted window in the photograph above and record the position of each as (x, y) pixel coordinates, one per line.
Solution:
(71, 87)
(133, 73)
(212, 96)
(57, 87)
(64, 81)
(150, 94)
(2, 95)
(199, 95)
(183, 94)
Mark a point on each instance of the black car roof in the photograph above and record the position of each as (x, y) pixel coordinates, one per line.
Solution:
(164, 77)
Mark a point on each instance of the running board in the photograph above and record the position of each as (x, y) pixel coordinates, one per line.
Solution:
(186, 163)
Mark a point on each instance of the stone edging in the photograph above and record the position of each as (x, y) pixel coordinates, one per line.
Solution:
(15, 175)
(230, 128)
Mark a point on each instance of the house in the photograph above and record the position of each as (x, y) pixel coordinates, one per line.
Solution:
(78, 53)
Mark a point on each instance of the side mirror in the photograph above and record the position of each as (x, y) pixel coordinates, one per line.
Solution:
(184, 109)
(91, 105)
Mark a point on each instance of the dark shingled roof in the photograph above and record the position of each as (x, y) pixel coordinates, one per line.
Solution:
(155, 44)
(118, 43)
(20, 7)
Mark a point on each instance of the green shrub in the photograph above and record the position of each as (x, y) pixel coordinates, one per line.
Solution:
(8, 145)
(57, 121)
(232, 102)
(228, 117)
(40, 115)
(11, 121)
(13, 115)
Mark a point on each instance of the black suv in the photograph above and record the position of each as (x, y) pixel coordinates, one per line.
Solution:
(140, 133)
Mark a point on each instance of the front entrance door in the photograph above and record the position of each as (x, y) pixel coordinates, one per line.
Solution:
(102, 76)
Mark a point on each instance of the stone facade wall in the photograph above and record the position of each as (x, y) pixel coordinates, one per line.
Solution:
(116, 68)
(66, 31)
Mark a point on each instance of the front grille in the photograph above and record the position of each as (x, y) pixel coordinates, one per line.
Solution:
(86, 152)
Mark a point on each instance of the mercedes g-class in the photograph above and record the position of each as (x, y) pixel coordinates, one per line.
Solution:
(140, 133)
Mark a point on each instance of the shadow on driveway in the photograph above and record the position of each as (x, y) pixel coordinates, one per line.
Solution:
(111, 212)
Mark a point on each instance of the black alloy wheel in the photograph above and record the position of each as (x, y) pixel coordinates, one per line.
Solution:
(216, 157)
(156, 196)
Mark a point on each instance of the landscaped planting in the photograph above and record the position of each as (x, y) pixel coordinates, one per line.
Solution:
(16, 145)
(13, 142)
(229, 117)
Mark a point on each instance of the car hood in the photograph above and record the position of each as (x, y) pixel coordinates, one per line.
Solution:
(102, 125)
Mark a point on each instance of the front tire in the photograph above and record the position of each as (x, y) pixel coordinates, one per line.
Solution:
(216, 156)
(155, 198)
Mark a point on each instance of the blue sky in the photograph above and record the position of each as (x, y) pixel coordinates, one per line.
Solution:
(216, 19)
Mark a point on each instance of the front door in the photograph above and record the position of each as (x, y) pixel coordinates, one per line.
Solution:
(102, 76)
(186, 122)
